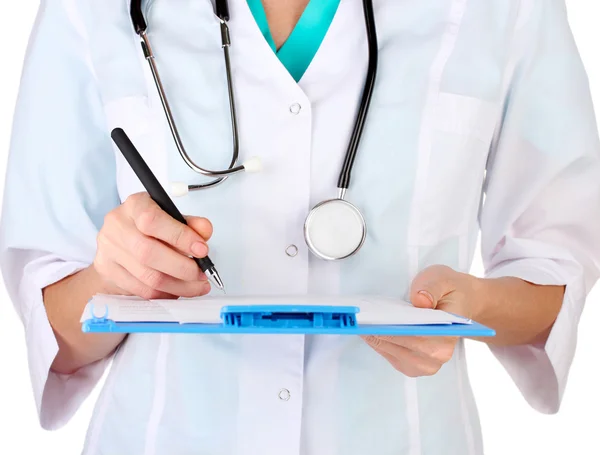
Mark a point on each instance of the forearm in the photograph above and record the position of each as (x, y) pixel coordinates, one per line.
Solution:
(65, 302)
(520, 312)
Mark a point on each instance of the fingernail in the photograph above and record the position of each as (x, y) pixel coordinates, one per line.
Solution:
(429, 297)
(199, 249)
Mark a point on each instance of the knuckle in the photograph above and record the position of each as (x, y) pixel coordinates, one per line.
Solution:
(448, 283)
(430, 369)
(374, 341)
(146, 293)
(444, 353)
(409, 372)
(147, 218)
(188, 270)
(143, 250)
(153, 278)
(111, 218)
(437, 288)
(421, 370)
(100, 264)
(179, 237)
(431, 350)
(417, 369)
(136, 199)
(101, 240)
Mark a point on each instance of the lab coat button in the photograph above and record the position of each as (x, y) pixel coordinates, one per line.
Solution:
(295, 108)
(284, 395)
(291, 251)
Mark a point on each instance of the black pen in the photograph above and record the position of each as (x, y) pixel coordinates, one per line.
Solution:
(159, 195)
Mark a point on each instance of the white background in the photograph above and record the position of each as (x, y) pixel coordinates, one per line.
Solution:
(509, 425)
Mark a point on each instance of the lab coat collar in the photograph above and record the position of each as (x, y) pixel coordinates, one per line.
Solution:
(344, 42)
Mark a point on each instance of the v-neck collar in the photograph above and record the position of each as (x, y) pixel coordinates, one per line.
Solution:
(344, 43)
(300, 48)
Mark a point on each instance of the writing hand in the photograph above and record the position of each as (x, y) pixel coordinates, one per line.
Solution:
(142, 251)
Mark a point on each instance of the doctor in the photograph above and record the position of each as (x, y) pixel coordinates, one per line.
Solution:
(480, 120)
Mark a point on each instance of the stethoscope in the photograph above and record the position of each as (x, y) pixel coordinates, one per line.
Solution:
(334, 229)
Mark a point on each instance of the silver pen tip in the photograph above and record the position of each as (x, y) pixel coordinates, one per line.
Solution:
(216, 279)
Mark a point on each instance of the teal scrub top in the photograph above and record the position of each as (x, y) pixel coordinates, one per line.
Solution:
(303, 43)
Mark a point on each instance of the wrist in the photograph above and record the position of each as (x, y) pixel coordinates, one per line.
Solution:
(479, 293)
(100, 284)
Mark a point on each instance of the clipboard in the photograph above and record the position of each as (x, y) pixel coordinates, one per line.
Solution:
(276, 316)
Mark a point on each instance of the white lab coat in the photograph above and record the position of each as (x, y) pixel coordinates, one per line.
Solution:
(472, 98)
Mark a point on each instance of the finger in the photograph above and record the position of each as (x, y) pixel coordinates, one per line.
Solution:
(154, 222)
(201, 225)
(153, 278)
(402, 359)
(439, 349)
(154, 254)
(390, 358)
(130, 285)
(160, 281)
(432, 285)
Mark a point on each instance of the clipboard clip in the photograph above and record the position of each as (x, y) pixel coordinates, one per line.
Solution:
(99, 323)
(289, 317)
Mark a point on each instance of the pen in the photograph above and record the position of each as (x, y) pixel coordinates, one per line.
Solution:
(159, 195)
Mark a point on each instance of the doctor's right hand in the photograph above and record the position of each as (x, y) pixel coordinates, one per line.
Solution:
(143, 251)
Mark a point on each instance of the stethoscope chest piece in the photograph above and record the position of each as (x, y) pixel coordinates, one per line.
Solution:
(334, 230)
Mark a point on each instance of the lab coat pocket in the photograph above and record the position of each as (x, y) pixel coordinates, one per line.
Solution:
(141, 124)
(458, 132)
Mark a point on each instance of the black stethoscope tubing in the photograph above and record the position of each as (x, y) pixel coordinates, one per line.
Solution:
(222, 11)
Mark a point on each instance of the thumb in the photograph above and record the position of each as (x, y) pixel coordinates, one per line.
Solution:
(201, 225)
(431, 285)
(424, 299)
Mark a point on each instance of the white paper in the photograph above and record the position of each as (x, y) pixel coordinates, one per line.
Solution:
(373, 310)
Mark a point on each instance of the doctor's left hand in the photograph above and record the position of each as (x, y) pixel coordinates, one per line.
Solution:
(437, 287)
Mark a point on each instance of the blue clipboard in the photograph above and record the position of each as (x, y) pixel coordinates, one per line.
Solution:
(286, 319)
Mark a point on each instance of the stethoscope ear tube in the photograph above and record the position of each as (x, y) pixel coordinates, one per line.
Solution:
(252, 164)
(137, 17)
(344, 178)
(222, 9)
